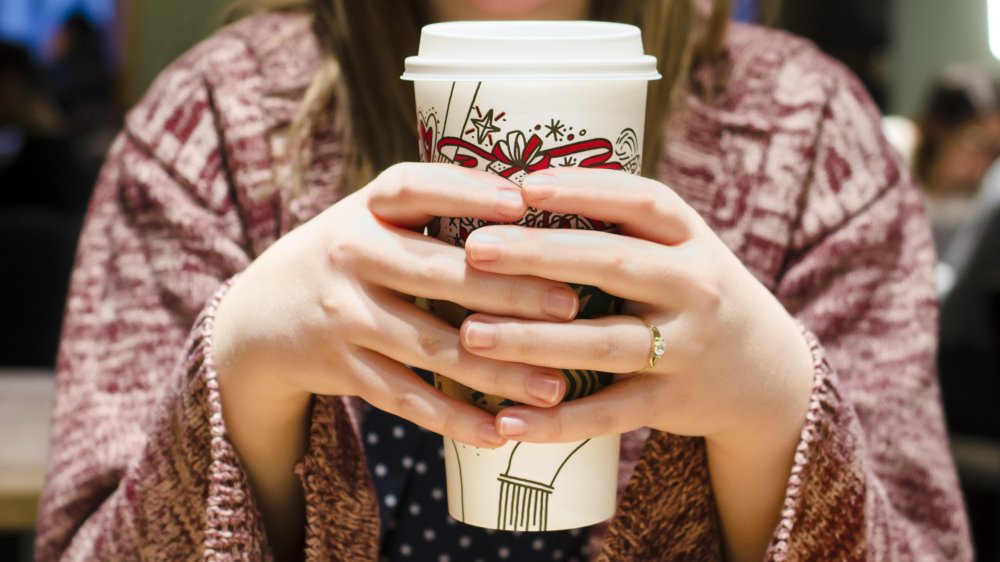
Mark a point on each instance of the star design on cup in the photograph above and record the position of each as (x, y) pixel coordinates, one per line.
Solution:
(555, 129)
(484, 126)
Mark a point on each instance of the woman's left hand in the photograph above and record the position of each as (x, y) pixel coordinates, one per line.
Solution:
(736, 366)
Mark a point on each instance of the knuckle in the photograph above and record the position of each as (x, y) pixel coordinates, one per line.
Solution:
(671, 202)
(648, 202)
(406, 404)
(621, 261)
(453, 424)
(606, 346)
(699, 341)
(527, 341)
(535, 254)
(603, 417)
(431, 344)
(705, 285)
(396, 185)
(405, 186)
(555, 430)
(513, 297)
(493, 379)
(710, 295)
(331, 304)
(379, 190)
(341, 251)
(436, 268)
(393, 175)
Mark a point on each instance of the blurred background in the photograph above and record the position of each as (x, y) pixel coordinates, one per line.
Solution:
(69, 69)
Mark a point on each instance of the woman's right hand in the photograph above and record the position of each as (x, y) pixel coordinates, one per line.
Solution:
(329, 308)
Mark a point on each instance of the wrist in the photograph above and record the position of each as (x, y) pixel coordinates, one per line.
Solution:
(245, 366)
(776, 418)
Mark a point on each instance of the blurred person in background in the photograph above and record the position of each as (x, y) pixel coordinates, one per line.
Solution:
(56, 120)
(79, 75)
(969, 360)
(959, 139)
(34, 154)
(56, 123)
(959, 143)
(969, 354)
(44, 188)
(957, 168)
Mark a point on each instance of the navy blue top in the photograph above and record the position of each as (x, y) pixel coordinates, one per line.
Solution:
(407, 464)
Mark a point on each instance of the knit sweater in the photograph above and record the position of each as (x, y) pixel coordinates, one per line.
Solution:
(775, 145)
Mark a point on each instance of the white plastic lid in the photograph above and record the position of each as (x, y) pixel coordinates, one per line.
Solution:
(530, 50)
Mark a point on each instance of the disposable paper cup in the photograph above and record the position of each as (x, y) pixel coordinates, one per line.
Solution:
(513, 98)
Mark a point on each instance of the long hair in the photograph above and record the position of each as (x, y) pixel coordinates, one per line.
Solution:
(364, 44)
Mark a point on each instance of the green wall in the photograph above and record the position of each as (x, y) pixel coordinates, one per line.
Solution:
(160, 30)
(927, 36)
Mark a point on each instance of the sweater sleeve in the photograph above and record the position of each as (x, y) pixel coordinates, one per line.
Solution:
(873, 478)
(141, 466)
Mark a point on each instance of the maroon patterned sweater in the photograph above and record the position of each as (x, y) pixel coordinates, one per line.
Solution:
(775, 145)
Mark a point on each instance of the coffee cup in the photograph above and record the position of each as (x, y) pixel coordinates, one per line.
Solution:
(513, 98)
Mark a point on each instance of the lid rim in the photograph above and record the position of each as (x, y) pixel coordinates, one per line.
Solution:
(640, 69)
(470, 77)
(599, 29)
(530, 50)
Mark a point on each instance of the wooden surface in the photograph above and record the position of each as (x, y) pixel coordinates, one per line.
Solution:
(25, 409)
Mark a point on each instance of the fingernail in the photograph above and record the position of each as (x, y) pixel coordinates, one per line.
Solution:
(538, 187)
(510, 203)
(483, 247)
(546, 387)
(511, 426)
(479, 335)
(488, 433)
(560, 303)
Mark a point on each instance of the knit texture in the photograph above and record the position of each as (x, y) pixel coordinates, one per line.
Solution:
(775, 145)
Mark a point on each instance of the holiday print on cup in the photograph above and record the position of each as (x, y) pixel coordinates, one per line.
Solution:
(485, 140)
(472, 133)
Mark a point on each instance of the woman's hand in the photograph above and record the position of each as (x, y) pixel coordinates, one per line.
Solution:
(329, 308)
(736, 369)
(735, 362)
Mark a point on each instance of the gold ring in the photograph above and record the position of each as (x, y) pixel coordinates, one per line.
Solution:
(656, 346)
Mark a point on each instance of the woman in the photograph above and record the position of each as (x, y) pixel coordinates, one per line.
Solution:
(795, 412)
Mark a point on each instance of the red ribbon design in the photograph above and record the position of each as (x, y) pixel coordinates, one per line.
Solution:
(427, 138)
(529, 156)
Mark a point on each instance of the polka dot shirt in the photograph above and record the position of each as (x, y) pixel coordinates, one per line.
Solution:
(407, 465)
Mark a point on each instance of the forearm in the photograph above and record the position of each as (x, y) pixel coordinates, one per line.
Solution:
(749, 484)
(268, 426)
(750, 468)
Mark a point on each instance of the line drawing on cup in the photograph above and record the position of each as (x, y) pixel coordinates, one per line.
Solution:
(516, 153)
(524, 503)
(488, 134)
(461, 483)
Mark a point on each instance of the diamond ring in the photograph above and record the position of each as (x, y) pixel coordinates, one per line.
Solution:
(656, 346)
